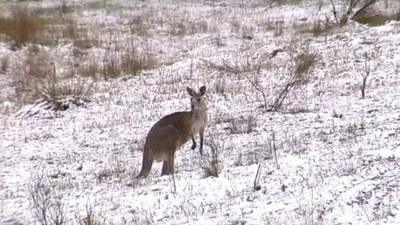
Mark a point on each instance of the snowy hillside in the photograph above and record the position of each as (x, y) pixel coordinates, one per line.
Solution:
(327, 156)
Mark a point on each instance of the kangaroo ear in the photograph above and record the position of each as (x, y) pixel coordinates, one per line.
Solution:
(190, 91)
(203, 90)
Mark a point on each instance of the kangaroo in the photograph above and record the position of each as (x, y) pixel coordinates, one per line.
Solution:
(172, 131)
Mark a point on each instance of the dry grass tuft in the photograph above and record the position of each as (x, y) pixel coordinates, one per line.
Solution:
(116, 64)
(92, 217)
(304, 62)
(212, 167)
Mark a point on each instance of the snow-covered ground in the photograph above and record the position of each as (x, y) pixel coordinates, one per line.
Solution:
(338, 156)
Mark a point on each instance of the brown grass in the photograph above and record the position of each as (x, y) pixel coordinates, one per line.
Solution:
(137, 25)
(304, 62)
(116, 64)
(22, 27)
(188, 27)
(38, 78)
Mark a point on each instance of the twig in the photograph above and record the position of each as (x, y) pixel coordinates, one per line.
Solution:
(334, 12)
(362, 9)
(257, 88)
(173, 180)
(367, 70)
(257, 179)
(274, 150)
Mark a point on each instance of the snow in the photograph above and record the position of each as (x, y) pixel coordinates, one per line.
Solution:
(332, 170)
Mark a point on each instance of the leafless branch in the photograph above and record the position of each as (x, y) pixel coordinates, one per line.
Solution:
(363, 8)
(334, 12)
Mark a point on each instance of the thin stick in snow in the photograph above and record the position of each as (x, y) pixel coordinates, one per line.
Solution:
(274, 150)
(173, 180)
(257, 179)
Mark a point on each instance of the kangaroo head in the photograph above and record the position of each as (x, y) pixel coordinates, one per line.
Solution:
(196, 99)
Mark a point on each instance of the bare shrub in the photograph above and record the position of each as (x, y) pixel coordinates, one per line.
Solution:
(245, 67)
(349, 13)
(367, 68)
(303, 64)
(47, 207)
(251, 68)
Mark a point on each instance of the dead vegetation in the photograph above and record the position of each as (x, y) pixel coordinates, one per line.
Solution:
(375, 19)
(354, 8)
(23, 26)
(92, 217)
(47, 205)
(212, 166)
(295, 74)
